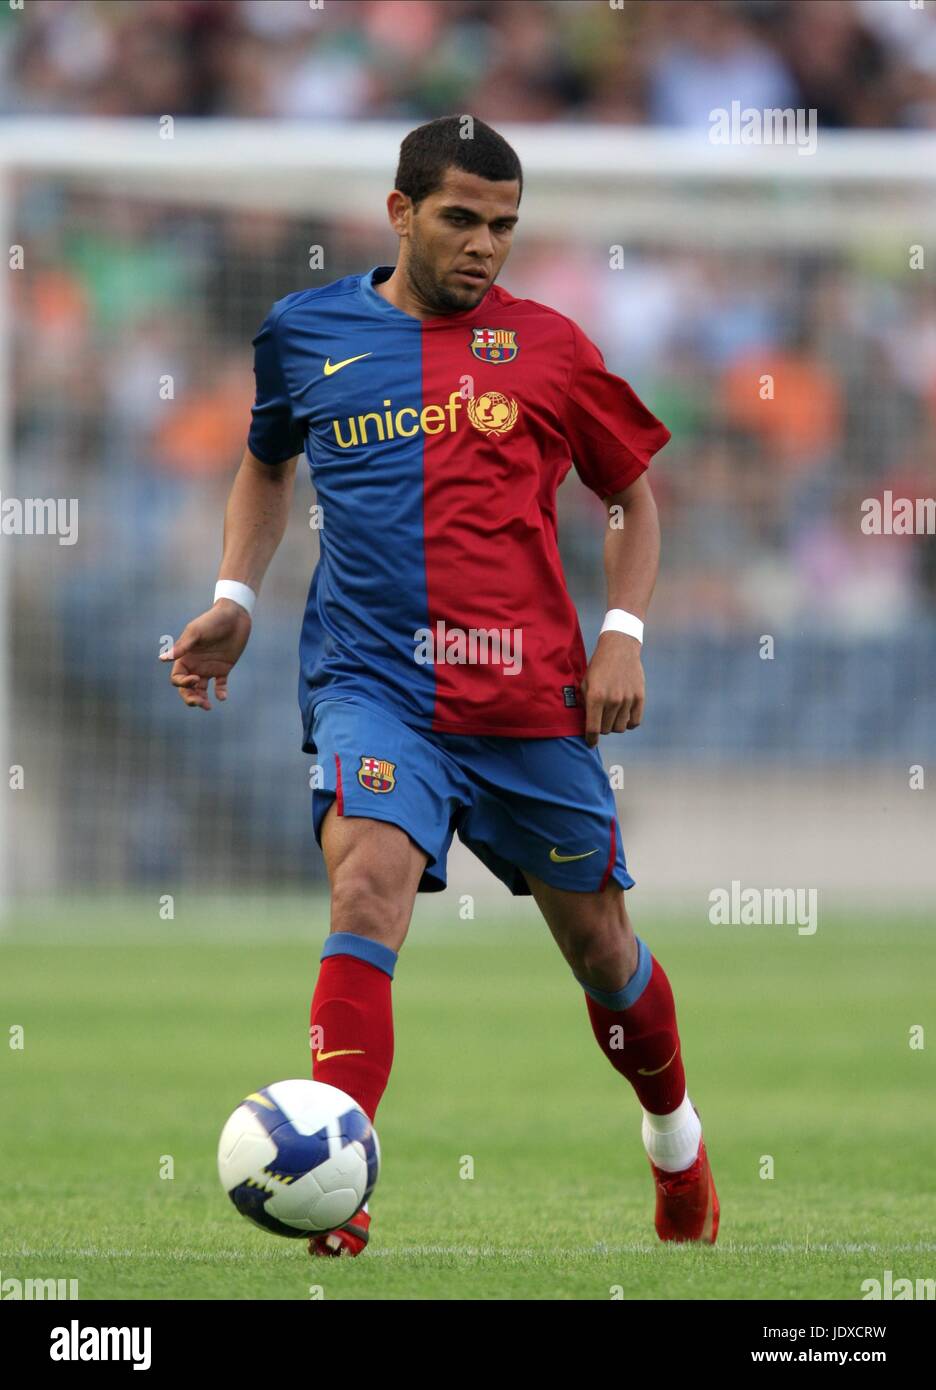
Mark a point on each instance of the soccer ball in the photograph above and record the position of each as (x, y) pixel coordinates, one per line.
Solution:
(298, 1158)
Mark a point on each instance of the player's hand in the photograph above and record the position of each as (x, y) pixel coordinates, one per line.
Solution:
(613, 687)
(207, 650)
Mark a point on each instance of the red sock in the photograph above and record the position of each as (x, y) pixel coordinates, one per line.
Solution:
(351, 1020)
(636, 1030)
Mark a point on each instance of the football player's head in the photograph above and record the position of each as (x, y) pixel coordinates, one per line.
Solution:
(454, 207)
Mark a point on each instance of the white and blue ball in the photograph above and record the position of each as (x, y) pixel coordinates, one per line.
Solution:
(298, 1158)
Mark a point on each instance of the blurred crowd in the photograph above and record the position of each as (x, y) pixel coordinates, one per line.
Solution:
(760, 498)
(797, 385)
(859, 63)
(132, 389)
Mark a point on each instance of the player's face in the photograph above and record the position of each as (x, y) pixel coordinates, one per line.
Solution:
(459, 237)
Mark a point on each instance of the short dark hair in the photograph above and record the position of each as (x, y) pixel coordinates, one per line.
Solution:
(430, 149)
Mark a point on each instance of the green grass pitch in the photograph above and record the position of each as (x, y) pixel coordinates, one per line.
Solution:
(141, 1036)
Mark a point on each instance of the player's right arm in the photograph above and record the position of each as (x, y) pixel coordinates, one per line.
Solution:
(254, 522)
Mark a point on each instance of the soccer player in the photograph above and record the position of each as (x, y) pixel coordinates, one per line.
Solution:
(444, 684)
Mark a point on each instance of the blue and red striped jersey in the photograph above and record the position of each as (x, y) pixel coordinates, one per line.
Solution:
(436, 447)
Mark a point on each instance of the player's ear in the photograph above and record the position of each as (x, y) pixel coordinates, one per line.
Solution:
(399, 208)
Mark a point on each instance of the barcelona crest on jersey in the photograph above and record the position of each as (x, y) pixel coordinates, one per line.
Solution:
(495, 344)
(377, 775)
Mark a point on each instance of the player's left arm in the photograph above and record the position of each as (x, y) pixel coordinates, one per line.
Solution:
(613, 687)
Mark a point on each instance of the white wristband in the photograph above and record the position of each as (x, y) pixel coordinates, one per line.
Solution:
(240, 593)
(619, 620)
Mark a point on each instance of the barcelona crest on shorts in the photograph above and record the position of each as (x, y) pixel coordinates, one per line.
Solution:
(377, 775)
(495, 344)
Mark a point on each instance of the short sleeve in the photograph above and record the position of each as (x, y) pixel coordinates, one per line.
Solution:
(612, 436)
(274, 435)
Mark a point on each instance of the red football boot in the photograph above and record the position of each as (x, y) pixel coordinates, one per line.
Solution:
(686, 1202)
(348, 1239)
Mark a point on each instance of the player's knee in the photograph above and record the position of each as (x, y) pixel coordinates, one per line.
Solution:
(363, 903)
(606, 957)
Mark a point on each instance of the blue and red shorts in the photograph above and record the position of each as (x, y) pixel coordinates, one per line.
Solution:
(542, 805)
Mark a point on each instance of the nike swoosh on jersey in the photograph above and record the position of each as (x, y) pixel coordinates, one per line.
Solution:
(558, 858)
(331, 367)
(642, 1071)
(339, 1052)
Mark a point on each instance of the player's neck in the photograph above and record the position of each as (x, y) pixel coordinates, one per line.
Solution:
(397, 292)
